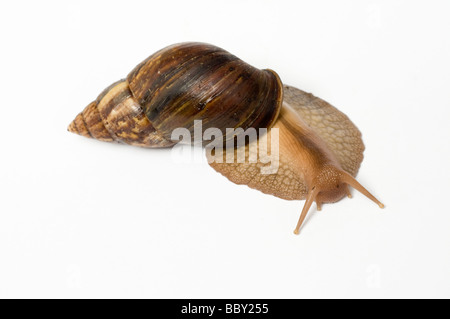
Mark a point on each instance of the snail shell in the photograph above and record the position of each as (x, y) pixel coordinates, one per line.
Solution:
(177, 85)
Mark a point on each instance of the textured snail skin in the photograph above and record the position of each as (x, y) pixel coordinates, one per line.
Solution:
(320, 149)
(320, 152)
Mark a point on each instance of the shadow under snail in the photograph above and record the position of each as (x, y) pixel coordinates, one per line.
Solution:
(320, 149)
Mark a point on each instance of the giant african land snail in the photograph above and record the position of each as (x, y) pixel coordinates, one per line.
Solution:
(320, 149)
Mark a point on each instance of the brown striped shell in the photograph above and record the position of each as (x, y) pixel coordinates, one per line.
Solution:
(177, 85)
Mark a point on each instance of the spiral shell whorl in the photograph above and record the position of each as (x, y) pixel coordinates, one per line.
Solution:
(89, 124)
(115, 116)
(197, 81)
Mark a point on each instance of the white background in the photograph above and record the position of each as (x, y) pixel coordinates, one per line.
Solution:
(82, 218)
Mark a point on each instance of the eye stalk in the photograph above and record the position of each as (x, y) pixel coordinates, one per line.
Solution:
(330, 186)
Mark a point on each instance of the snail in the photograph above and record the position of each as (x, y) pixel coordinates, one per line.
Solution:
(320, 149)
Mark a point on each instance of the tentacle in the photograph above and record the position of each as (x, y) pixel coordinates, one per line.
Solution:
(348, 179)
(309, 200)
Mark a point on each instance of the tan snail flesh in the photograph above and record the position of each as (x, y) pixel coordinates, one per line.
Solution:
(320, 149)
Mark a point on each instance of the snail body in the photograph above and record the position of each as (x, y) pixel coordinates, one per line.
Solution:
(316, 162)
(320, 149)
